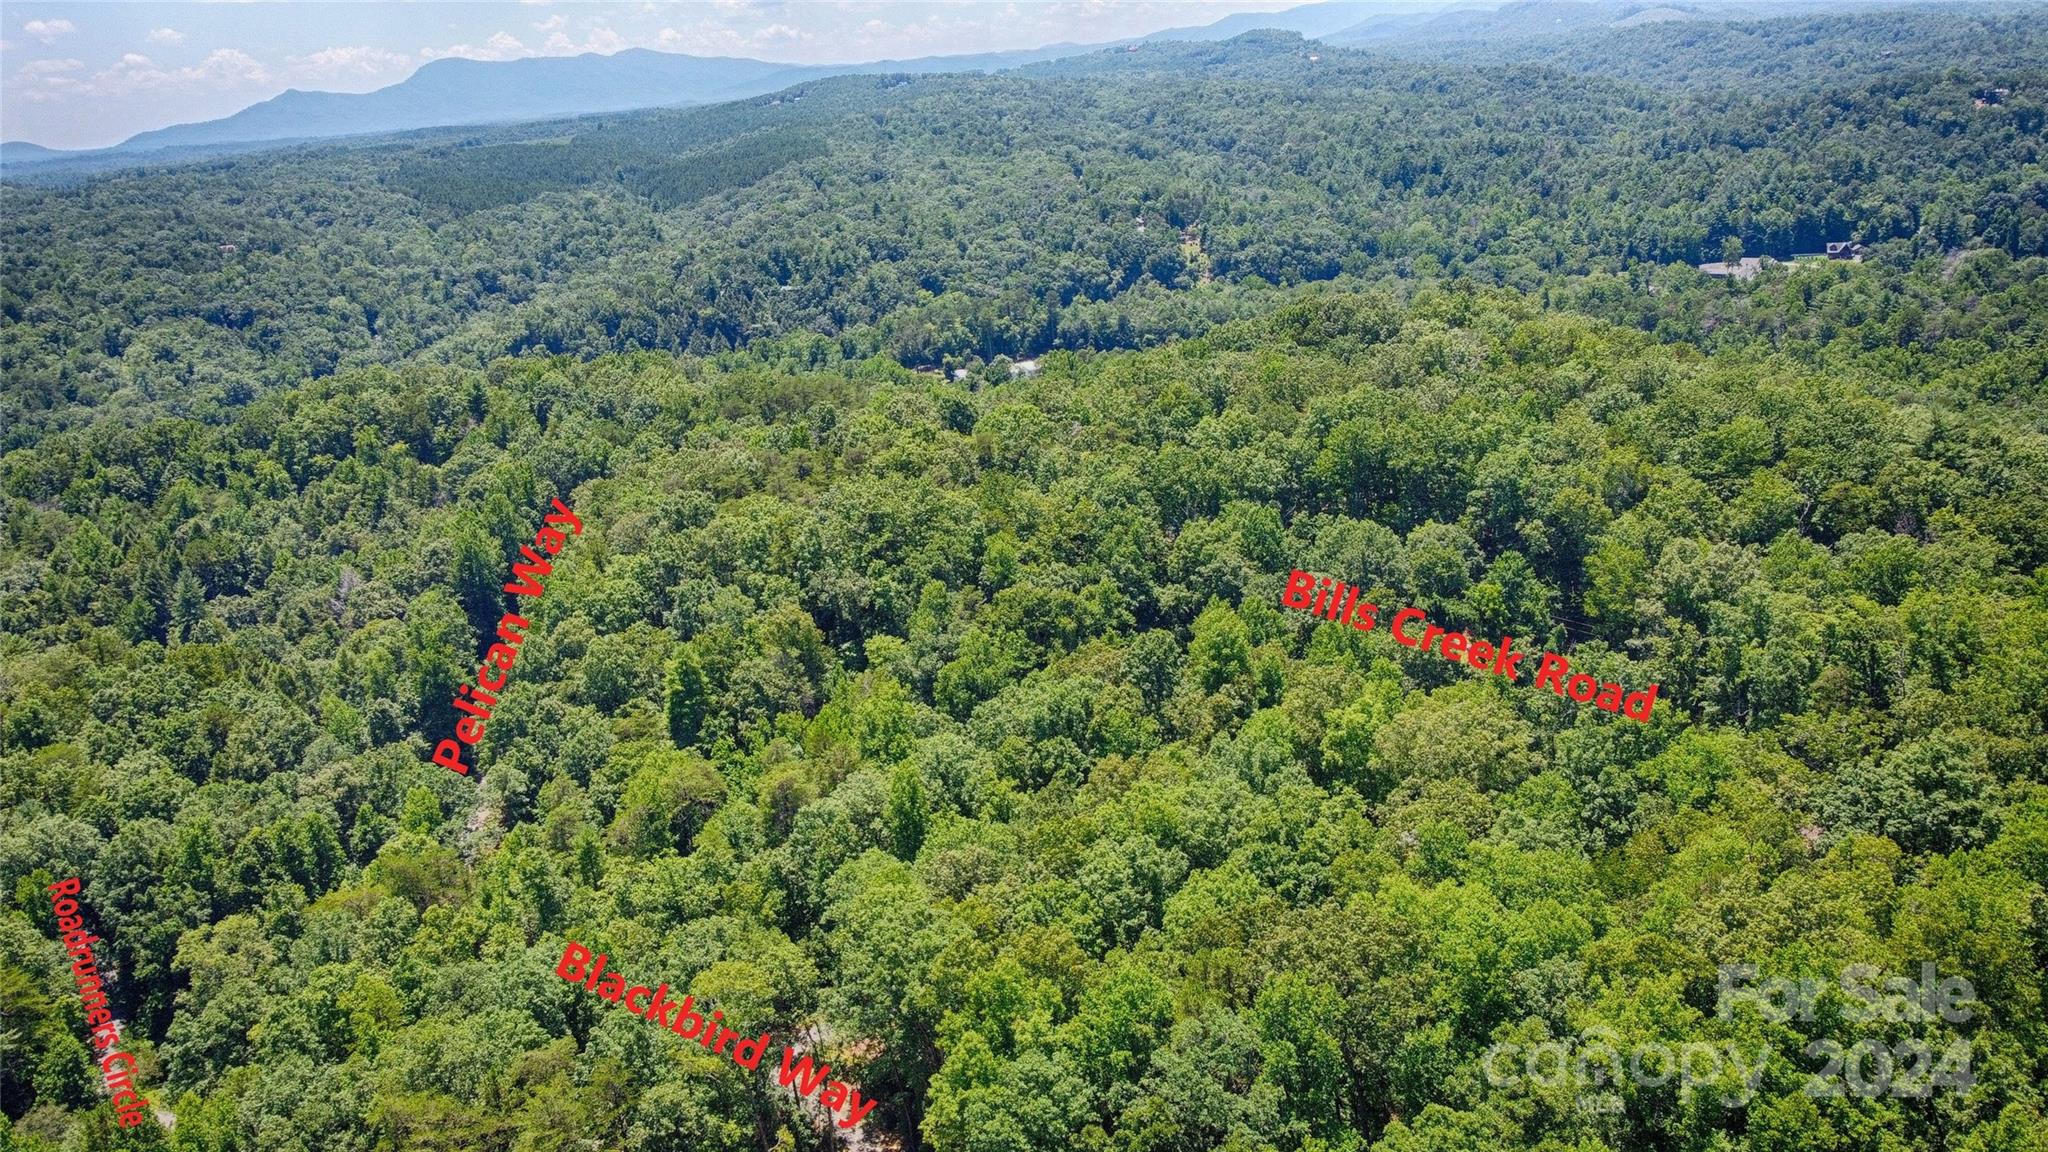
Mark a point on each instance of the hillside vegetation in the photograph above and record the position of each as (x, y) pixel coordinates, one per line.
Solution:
(940, 218)
(954, 727)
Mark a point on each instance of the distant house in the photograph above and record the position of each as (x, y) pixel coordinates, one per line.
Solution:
(1743, 269)
(227, 247)
(960, 373)
(1844, 250)
(1023, 368)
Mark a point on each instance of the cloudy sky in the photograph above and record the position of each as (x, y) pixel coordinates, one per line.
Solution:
(88, 75)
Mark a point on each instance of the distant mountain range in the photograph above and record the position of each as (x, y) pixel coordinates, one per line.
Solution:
(1536, 19)
(460, 92)
(23, 150)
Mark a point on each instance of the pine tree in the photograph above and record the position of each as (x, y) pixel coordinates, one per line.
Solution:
(906, 812)
(685, 697)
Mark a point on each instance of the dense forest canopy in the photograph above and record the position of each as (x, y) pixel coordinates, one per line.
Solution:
(949, 724)
(940, 218)
(1688, 46)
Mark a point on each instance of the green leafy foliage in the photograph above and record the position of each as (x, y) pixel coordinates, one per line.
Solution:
(952, 729)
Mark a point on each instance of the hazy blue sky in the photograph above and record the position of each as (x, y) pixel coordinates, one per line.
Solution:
(87, 75)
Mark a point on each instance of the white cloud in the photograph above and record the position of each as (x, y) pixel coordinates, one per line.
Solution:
(554, 23)
(701, 41)
(601, 40)
(714, 40)
(40, 81)
(501, 46)
(222, 68)
(165, 36)
(341, 63)
(48, 30)
(40, 68)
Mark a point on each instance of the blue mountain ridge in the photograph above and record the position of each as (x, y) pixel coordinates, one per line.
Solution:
(453, 92)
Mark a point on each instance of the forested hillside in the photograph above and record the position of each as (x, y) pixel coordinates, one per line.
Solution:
(941, 218)
(1691, 46)
(953, 728)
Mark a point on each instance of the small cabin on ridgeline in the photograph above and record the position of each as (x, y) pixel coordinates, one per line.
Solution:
(1748, 267)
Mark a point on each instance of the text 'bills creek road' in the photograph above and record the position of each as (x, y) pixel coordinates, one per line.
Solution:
(1338, 601)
